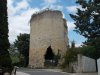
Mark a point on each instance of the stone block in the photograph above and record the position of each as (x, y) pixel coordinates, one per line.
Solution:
(89, 64)
(98, 61)
(86, 64)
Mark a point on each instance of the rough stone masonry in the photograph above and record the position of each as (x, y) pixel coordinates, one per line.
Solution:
(48, 29)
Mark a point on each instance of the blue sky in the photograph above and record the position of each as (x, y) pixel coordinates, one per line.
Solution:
(20, 11)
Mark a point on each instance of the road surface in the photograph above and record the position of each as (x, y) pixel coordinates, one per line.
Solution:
(39, 72)
(25, 71)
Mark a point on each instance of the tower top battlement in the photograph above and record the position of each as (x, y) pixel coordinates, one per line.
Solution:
(46, 12)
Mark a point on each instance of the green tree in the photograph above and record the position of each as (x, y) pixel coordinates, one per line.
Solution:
(5, 61)
(87, 21)
(14, 54)
(22, 44)
(88, 51)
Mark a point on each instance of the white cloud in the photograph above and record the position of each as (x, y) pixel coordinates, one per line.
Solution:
(73, 9)
(63, 15)
(57, 7)
(54, 7)
(70, 25)
(50, 1)
(10, 7)
(78, 44)
(51, 4)
(19, 23)
(22, 5)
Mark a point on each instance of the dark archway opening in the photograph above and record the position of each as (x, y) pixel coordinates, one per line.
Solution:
(49, 57)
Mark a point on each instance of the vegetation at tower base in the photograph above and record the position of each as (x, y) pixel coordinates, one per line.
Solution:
(71, 55)
(87, 23)
(22, 44)
(5, 60)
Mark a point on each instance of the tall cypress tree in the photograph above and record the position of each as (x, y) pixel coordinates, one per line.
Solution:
(5, 61)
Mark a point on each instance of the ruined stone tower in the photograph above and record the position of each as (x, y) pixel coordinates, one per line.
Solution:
(48, 31)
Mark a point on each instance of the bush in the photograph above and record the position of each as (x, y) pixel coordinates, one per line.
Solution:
(70, 56)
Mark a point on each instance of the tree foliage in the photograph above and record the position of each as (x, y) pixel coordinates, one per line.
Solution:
(5, 61)
(22, 44)
(14, 54)
(87, 21)
(71, 55)
(88, 51)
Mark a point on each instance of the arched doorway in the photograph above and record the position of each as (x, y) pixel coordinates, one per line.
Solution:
(49, 57)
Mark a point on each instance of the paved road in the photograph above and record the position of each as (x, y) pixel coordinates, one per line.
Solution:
(40, 72)
(46, 73)
(25, 71)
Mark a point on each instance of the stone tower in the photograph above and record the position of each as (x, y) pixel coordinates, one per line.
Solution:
(48, 31)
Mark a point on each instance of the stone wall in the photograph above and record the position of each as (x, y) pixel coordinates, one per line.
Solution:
(83, 64)
(48, 28)
(98, 61)
(86, 64)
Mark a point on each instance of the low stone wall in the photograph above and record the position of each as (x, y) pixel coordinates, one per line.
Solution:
(86, 64)
(98, 61)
